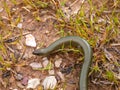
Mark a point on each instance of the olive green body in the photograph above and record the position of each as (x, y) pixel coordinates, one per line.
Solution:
(77, 41)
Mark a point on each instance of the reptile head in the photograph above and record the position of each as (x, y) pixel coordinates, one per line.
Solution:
(39, 52)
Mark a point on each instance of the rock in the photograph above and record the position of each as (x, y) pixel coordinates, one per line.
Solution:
(51, 72)
(19, 25)
(20, 85)
(30, 40)
(33, 83)
(1, 9)
(46, 32)
(35, 65)
(45, 58)
(6, 74)
(24, 81)
(58, 62)
(19, 76)
(19, 46)
(15, 89)
(45, 62)
(49, 82)
(66, 70)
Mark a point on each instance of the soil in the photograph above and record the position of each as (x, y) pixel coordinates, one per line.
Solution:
(45, 33)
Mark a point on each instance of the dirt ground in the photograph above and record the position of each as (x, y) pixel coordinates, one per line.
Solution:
(44, 31)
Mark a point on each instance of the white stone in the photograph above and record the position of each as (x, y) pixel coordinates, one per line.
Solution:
(45, 63)
(33, 83)
(49, 82)
(15, 89)
(35, 65)
(58, 62)
(1, 9)
(51, 72)
(30, 40)
(45, 58)
(19, 46)
(19, 25)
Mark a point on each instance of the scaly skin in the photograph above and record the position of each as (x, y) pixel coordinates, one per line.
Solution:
(77, 41)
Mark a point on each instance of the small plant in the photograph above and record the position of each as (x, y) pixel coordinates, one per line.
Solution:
(110, 76)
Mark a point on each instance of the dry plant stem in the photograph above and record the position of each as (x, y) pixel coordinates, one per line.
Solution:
(5, 41)
(74, 3)
(117, 44)
(10, 49)
(108, 12)
(55, 3)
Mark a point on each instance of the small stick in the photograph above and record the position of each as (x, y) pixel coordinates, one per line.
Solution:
(116, 44)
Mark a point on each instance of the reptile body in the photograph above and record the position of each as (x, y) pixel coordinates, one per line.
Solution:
(74, 41)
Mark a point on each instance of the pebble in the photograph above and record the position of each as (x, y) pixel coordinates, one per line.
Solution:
(1, 9)
(66, 70)
(24, 81)
(58, 62)
(33, 83)
(13, 88)
(20, 85)
(45, 58)
(19, 25)
(47, 32)
(45, 63)
(100, 20)
(19, 76)
(6, 74)
(51, 72)
(30, 40)
(36, 65)
(49, 82)
(19, 46)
